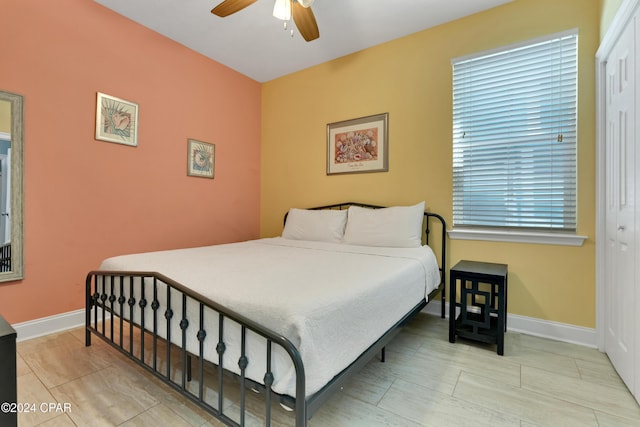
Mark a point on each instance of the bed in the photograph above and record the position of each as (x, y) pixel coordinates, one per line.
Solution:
(290, 318)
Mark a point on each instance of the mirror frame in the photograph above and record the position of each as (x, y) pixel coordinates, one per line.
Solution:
(17, 186)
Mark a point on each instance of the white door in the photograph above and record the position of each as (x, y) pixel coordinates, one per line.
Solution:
(636, 129)
(621, 208)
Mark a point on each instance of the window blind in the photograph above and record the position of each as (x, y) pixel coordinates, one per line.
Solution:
(515, 136)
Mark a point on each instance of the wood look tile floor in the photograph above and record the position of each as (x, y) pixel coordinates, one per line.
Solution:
(426, 381)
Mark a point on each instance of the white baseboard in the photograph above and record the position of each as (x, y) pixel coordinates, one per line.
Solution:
(554, 330)
(49, 325)
(523, 324)
(537, 327)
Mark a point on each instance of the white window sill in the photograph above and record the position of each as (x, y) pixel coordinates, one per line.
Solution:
(563, 239)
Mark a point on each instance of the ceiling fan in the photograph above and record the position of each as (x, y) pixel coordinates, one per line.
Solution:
(299, 9)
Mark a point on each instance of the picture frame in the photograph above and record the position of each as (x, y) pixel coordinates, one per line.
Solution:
(116, 120)
(358, 145)
(201, 159)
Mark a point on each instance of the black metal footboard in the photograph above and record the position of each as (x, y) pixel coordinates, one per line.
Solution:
(142, 313)
(164, 326)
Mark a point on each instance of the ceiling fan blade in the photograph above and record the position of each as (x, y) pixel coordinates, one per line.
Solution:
(305, 21)
(228, 7)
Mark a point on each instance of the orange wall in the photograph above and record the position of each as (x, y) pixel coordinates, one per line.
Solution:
(85, 199)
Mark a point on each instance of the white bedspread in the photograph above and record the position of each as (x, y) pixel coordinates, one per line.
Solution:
(331, 300)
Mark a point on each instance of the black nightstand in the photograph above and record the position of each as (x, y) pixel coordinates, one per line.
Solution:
(483, 287)
(8, 372)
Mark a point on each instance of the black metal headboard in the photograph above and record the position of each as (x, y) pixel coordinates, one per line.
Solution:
(428, 218)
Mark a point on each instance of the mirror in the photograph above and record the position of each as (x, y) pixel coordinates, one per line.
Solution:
(11, 188)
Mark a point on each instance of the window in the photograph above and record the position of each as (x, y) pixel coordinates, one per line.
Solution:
(515, 137)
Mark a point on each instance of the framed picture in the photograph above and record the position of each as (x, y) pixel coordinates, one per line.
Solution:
(201, 159)
(116, 120)
(358, 145)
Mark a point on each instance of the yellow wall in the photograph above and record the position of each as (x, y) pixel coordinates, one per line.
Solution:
(411, 79)
(608, 11)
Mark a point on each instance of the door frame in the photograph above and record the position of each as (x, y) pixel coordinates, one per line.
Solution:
(623, 16)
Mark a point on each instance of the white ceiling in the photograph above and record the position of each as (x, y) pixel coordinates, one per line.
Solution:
(255, 44)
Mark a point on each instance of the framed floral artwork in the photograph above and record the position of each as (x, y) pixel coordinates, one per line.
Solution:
(201, 159)
(116, 120)
(358, 145)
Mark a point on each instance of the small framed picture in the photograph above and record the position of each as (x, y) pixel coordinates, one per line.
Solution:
(116, 120)
(201, 159)
(358, 145)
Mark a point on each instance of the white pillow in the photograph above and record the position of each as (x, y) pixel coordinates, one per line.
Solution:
(318, 225)
(397, 226)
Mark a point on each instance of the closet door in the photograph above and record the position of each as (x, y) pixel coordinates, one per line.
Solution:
(636, 129)
(621, 210)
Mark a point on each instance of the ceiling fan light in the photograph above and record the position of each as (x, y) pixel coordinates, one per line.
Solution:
(282, 9)
(305, 3)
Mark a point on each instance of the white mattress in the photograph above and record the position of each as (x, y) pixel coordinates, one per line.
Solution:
(331, 300)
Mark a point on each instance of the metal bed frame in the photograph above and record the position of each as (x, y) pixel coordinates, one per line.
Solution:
(5, 257)
(106, 301)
